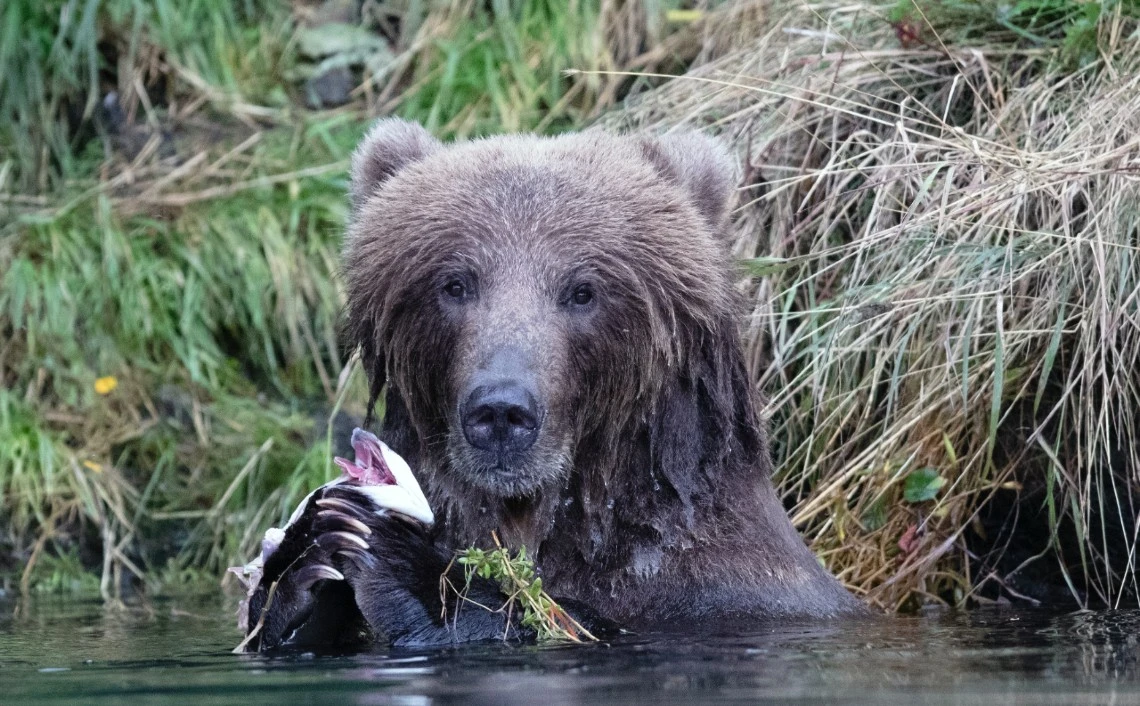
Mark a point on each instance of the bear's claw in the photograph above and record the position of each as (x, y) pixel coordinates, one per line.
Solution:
(306, 576)
(344, 507)
(338, 520)
(328, 533)
(342, 534)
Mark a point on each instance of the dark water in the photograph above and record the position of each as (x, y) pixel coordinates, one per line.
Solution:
(179, 651)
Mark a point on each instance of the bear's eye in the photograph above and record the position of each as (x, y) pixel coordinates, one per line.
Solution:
(583, 295)
(455, 289)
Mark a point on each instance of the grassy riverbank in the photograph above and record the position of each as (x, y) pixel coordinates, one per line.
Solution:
(172, 197)
(939, 213)
(942, 201)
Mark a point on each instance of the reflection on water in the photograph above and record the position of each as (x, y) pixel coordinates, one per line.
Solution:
(179, 649)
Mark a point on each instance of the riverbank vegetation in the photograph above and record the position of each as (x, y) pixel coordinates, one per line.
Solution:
(938, 228)
(172, 195)
(942, 201)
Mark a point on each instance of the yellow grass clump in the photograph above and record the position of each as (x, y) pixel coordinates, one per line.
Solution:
(945, 301)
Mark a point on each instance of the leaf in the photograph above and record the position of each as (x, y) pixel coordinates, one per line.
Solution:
(1045, 374)
(948, 446)
(910, 540)
(337, 38)
(683, 16)
(999, 379)
(922, 485)
(875, 516)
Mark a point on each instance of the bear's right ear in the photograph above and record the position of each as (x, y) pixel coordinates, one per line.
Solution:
(390, 145)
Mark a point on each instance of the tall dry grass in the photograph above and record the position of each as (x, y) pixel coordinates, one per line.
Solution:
(947, 317)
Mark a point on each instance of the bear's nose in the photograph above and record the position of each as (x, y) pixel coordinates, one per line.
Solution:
(501, 417)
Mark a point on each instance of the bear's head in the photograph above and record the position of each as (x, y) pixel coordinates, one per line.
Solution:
(524, 298)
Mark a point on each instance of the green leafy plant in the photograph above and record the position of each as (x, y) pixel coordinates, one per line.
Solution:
(922, 485)
(516, 577)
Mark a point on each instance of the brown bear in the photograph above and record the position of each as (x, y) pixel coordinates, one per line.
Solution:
(552, 325)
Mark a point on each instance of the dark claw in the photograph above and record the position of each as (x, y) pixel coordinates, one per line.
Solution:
(306, 576)
(363, 560)
(344, 522)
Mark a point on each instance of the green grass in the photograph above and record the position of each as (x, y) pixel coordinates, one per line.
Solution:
(60, 55)
(218, 322)
(461, 67)
(500, 67)
(1075, 28)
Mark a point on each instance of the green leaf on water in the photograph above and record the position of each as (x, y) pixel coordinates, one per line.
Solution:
(922, 485)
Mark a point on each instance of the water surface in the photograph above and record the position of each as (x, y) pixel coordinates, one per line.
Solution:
(179, 650)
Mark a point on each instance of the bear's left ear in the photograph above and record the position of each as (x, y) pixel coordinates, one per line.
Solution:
(391, 145)
(699, 163)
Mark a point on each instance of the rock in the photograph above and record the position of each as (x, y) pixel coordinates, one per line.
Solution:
(329, 89)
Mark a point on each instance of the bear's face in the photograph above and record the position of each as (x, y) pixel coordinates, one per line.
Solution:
(520, 296)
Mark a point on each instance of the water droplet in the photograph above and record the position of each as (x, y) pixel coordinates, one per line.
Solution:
(646, 561)
(595, 539)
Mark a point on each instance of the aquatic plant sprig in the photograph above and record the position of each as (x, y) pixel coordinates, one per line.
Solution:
(517, 579)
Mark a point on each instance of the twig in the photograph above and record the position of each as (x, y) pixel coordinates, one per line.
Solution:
(260, 621)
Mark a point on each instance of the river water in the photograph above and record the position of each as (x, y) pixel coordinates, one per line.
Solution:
(178, 650)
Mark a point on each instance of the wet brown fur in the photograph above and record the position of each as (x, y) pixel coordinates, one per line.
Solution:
(647, 495)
